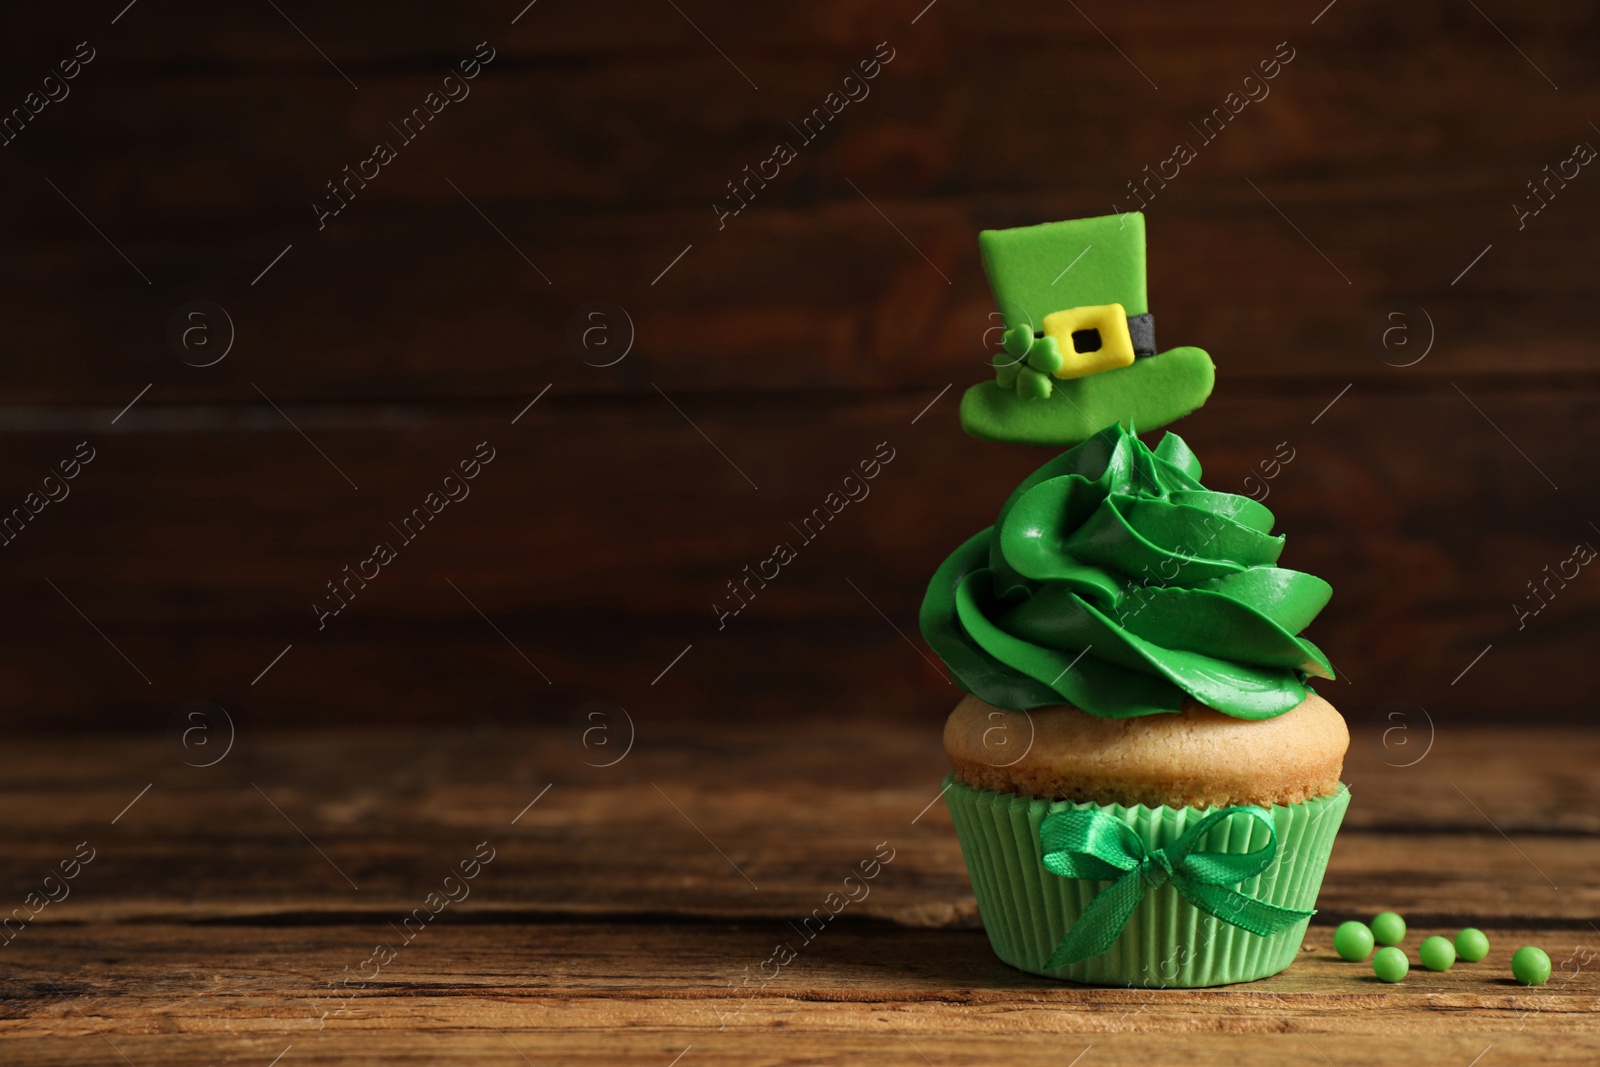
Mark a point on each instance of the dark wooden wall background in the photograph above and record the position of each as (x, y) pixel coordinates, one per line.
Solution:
(797, 338)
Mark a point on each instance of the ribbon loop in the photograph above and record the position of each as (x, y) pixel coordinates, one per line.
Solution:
(1091, 845)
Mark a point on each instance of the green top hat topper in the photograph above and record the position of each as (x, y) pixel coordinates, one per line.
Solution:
(1080, 348)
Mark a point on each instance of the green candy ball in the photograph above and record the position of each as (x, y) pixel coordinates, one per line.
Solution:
(1031, 385)
(1530, 966)
(1390, 964)
(1352, 941)
(1388, 928)
(1437, 953)
(1472, 945)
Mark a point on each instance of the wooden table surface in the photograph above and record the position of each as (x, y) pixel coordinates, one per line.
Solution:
(622, 914)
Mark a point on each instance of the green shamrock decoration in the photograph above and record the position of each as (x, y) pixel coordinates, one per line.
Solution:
(1027, 363)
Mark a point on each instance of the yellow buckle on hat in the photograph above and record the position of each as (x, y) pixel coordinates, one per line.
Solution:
(1092, 339)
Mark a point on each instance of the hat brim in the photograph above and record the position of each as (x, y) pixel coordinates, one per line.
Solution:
(1144, 395)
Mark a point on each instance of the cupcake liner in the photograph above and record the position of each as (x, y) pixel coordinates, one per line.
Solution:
(1168, 942)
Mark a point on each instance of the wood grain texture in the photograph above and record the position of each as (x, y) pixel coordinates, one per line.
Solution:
(407, 302)
(600, 538)
(669, 829)
(606, 928)
(198, 144)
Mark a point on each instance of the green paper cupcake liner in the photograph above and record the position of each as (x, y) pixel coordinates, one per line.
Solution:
(1168, 942)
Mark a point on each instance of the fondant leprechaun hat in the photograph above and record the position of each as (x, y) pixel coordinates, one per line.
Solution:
(1080, 349)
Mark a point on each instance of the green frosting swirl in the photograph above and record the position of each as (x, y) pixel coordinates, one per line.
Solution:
(1114, 581)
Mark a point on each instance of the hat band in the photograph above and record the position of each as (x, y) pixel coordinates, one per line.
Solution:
(1142, 332)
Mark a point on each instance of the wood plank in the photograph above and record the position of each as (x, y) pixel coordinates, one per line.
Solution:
(780, 1048)
(414, 37)
(206, 926)
(602, 178)
(811, 297)
(933, 121)
(695, 971)
(199, 555)
(646, 993)
(734, 822)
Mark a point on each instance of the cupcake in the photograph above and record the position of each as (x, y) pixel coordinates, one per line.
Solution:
(1145, 786)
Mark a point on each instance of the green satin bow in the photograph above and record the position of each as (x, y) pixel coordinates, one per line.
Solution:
(1092, 845)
